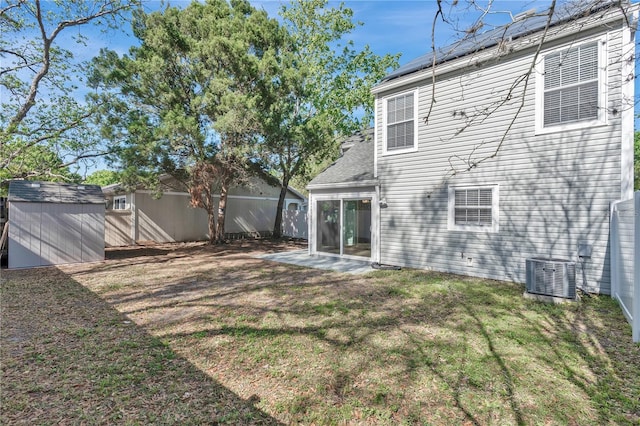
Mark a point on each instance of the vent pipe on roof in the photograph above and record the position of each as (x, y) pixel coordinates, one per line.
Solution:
(524, 15)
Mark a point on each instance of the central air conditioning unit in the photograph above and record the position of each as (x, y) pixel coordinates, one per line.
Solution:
(551, 277)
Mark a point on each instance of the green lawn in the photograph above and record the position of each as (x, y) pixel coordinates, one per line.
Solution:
(202, 335)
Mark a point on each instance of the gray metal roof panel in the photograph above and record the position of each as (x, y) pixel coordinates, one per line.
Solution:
(355, 165)
(51, 192)
(526, 25)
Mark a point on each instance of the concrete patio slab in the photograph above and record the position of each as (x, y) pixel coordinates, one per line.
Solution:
(302, 258)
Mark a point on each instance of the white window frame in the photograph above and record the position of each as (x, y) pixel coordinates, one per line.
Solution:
(495, 209)
(118, 201)
(385, 101)
(601, 120)
(342, 197)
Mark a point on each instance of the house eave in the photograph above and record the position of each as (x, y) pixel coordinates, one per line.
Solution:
(340, 185)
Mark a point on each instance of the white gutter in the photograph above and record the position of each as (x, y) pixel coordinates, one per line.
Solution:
(357, 184)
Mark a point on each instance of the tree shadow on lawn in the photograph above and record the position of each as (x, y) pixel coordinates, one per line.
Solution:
(69, 357)
(117, 258)
(180, 249)
(506, 350)
(585, 347)
(467, 350)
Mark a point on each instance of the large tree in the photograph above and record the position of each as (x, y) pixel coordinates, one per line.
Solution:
(103, 177)
(322, 91)
(183, 102)
(43, 127)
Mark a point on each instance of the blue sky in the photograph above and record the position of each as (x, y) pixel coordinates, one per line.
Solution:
(388, 26)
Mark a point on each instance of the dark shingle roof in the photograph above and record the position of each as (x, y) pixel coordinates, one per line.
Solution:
(49, 192)
(526, 24)
(355, 165)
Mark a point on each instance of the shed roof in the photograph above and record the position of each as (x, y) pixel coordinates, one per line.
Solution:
(50, 192)
(355, 165)
(524, 24)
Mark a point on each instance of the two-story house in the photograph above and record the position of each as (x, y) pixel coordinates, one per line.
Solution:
(508, 145)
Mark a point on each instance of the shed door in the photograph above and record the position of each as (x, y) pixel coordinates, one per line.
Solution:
(92, 232)
(61, 233)
(24, 235)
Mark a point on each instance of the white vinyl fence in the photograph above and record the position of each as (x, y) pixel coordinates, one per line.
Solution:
(625, 256)
(294, 224)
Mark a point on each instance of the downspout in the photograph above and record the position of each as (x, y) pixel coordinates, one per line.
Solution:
(377, 207)
(378, 210)
(311, 237)
(627, 110)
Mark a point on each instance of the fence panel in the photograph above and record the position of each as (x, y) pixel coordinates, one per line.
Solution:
(294, 224)
(117, 228)
(625, 255)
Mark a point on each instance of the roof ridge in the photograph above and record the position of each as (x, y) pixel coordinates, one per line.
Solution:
(528, 23)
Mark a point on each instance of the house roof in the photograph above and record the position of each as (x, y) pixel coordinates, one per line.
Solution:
(522, 25)
(118, 188)
(50, 192)
(354, 166)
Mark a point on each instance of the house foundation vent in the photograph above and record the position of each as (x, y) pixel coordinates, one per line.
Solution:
(551, 277)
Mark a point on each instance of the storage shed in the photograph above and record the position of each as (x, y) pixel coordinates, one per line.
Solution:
(55, 223)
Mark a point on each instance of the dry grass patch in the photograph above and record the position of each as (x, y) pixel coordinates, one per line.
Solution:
(68, 357)
(315, 347)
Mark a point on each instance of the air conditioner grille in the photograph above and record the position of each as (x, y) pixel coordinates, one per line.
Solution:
(551, 277)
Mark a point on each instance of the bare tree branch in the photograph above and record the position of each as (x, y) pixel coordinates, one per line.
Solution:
(4, 162)
(47, 41)
(433, 62)
(470, 162)
(3, 12)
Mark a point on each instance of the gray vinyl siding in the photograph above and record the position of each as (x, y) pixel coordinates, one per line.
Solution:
(555, 189)
(43, 234)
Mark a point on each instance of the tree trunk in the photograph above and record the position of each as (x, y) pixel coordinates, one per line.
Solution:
(222, 205)
(211, 222)
(277, 226)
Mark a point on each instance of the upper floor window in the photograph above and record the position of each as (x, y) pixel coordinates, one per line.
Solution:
(120, 202)
(572, 92)
(400, 122)
(473, 208)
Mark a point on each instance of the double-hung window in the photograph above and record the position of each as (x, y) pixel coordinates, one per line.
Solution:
(473, 208)
(120, 202)
(400, 122)
(570, 93)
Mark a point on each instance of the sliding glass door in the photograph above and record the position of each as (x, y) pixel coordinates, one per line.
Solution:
(328, 226)
(344, 227)
(357, 228)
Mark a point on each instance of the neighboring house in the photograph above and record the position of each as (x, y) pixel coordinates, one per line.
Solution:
(138, 216)
(475, 168)
(54, 223)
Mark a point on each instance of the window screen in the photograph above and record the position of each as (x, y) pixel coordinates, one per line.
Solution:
(473, 207)
(400, 124)
(571, 85)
